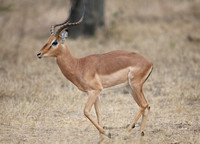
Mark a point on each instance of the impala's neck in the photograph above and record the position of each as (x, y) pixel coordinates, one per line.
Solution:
(67, 62)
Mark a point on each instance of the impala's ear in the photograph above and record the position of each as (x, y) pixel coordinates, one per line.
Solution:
(64, 35)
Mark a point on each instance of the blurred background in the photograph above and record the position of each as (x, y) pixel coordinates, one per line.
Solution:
(37, 103)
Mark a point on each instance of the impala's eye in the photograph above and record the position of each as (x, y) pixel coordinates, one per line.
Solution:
(54, 43)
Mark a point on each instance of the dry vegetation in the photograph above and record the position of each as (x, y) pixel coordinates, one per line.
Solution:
(38, 105)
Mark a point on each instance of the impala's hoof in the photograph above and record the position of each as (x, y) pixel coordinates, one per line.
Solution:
(142, 133)
(133, 126)
(129, 125)
(108, 134)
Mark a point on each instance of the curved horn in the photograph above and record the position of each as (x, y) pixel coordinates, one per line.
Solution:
(52, 30)
(71, 24)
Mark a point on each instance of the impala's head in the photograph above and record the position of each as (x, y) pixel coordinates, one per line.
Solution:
(53, 45)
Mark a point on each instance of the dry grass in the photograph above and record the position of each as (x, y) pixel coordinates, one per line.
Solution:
(38, 105)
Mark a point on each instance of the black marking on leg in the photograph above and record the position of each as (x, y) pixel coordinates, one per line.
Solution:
(149, 107)
(149, 74)
(142, 133)
(133, 126)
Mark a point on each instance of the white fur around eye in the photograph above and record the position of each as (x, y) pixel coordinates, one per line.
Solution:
(53, 44)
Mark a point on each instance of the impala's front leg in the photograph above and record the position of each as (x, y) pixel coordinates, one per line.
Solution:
(93, 95)
(97, 107)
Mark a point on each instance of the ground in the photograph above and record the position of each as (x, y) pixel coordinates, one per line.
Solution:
(38, 105)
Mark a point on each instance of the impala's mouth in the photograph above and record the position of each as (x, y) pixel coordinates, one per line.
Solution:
(39, 55)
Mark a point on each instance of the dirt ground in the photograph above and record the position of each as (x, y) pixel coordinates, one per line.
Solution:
(38, 105)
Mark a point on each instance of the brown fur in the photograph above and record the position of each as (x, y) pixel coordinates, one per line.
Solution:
(93, 73)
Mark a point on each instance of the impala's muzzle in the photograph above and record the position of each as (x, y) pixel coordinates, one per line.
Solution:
(39, 55)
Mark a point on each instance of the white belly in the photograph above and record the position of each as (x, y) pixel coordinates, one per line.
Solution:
(115, 80)
(119, 86)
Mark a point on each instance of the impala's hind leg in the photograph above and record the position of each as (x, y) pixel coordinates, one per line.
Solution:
(136, 83)
(143, 104)
(144, 119)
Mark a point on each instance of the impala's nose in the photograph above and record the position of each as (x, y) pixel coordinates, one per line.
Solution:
(39, 55)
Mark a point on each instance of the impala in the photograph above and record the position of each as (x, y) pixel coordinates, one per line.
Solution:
(95, 73)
